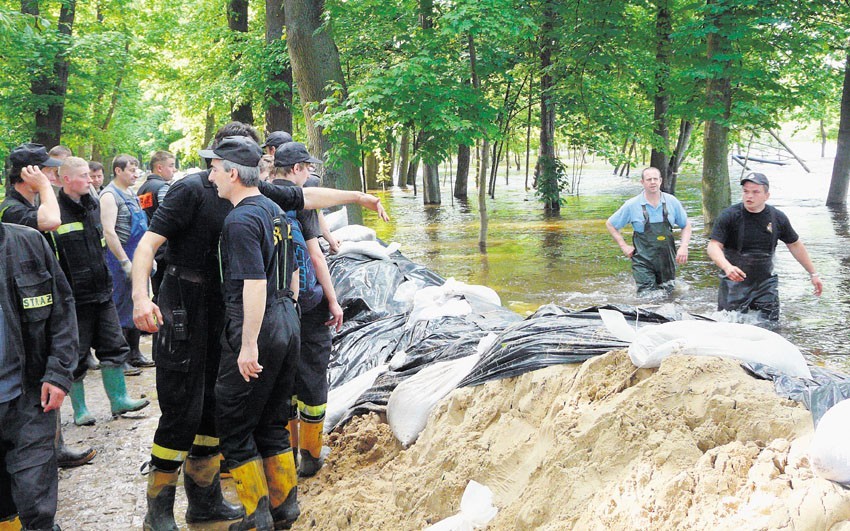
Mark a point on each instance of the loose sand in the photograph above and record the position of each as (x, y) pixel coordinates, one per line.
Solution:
(695, 444)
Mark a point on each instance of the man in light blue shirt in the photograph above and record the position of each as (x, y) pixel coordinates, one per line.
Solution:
(652, 214)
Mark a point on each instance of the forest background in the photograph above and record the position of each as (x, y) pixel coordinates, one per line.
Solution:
(386, 90)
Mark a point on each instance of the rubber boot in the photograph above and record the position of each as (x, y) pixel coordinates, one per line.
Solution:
(12, 523)
(82, 417)
(67, 457)
(137, 359)
(203, 490)
(283, 489)
(162, 486)
(129, 370)
(311, 452)
(254, 495)
(292, 428)
(116, 390)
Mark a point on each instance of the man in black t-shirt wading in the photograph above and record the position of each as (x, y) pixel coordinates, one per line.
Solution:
(260, 341)
(743, 242)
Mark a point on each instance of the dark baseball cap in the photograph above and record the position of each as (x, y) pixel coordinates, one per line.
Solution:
(277, 138)
(237, 149)
(293, 153)
(32, 155)
(757, 178)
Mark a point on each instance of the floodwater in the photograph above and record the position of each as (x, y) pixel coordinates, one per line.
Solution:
(570, 259)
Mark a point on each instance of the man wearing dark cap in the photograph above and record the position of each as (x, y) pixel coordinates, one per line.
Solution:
(189, 316)
(743, 243)
(275, 140)
(28, 184)
(319, 311)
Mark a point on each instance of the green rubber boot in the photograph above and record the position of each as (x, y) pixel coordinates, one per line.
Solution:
(82, 417)
(116, 390)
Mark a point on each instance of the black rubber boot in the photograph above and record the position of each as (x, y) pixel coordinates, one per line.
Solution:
(67, 457)
(260, 519)
(162, 486)
(136, 359)
(202, 481)
(288, 512)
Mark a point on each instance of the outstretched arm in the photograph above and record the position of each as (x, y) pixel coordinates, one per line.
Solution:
(327, 197)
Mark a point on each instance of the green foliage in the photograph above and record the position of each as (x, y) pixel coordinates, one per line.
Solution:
(552, 181)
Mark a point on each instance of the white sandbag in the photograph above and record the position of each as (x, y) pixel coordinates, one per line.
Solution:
(337, 219)
(433, 302)
(742, 342)
(405, 291)
(355, 233)
(341, 398)
(829, 451)
(413, 399)
(371, 249)
(476, 510)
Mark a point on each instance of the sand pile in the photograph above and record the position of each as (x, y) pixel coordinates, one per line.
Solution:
(693, 444)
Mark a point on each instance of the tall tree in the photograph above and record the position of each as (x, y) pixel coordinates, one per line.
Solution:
(660, 156)
(237, 21)
(462, 176)
(316, 67)
(279, 86)
(547, 177)
(841, 167)
(431, 175)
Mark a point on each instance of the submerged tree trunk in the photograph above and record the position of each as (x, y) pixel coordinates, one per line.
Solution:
(716, 192)
(50, 85)
(279, 86)
(462, 179)
(841, 167)
(431, 184)
(403, 158)
(237, 20)
(482, 165)
(546, 177)
(661, 151)
(315, 65)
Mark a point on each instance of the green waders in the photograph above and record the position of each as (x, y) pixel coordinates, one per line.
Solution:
(654, 259)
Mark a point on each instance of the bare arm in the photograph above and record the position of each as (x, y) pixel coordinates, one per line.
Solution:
(254, 308)
(684, 240)
(323, 275)
(715, 252)
(326, 233)
(146, 314)
(627, 249)
(799, 252)
(48, 212)
(108, 218)
(327, 197)
(295, 283)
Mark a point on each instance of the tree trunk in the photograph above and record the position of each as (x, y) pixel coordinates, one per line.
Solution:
(315, 64)
(823, 139)
(49, 86)
(482, 165)
(716, 192)
(237, 21)
(370, 169)
(209, 126)
(403, 157)
(431, 184)
(841, 167)
(661, 144)
(462, 179)
(279, 84)
(682, 142)
(546, 177)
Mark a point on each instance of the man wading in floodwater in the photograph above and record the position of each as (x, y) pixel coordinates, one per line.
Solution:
(654, 255)
(743, 242)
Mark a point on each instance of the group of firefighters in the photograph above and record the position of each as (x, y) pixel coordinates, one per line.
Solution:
(242, 335)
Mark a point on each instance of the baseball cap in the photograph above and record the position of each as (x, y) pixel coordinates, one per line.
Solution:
(238, 149)
(757, 178)
(277, 138)
(293, 153)
(32, 155)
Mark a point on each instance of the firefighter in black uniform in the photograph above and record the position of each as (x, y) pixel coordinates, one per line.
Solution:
(190, 324)
(27, 183)
(38, 351)
(81, 250)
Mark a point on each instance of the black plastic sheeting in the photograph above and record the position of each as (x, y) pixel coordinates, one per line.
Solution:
(824, 390)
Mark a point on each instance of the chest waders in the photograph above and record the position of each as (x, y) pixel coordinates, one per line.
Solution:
(654, 259)
(760, 290)
(122, 293)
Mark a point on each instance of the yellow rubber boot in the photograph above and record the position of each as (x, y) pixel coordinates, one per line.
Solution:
(292, 428)
(283, 489)
(160, 495)
(253, 492)
(312, 458)
(12, 523)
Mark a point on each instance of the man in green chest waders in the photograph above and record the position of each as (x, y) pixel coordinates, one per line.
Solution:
(652, 214)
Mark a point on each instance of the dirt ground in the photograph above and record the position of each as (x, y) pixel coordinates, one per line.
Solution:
(694, 444)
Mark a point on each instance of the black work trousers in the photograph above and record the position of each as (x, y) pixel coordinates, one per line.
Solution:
(29, 477)
(251, 416)
(99, 329)
(186, 368)
(311, 378)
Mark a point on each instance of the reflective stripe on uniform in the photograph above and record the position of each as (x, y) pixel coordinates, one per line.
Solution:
(70, 227)
(168, 454)
(315, 412)
(205, 440)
